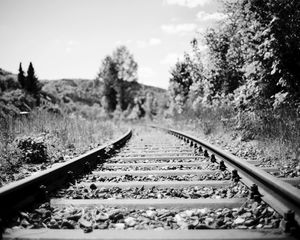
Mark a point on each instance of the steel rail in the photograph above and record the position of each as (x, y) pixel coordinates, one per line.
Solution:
(35, 188)
(145, 203)
(282, 196)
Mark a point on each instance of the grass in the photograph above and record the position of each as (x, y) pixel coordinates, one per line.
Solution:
(63, 136)
(275, 135)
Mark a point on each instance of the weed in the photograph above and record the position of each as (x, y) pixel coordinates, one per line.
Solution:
(45, 137)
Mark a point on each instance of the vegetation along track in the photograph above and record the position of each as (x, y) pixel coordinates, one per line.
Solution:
(157, 186)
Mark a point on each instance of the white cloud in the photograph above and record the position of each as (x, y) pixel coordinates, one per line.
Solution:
(187, 3)
(216, 16)
(179, 28)
(150, 42)
(171, 59)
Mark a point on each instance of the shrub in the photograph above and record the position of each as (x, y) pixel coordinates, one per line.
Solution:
(33, 149)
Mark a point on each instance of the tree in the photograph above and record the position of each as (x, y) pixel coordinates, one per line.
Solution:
(278, 51)
(32, 84)
(119, 74)
(21, 76)
(180, 83)
(108, 74)
(150, 105)
(226, 57)
(125, 64)
(126, 76)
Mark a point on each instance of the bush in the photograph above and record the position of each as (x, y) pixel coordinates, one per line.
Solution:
(33, 149)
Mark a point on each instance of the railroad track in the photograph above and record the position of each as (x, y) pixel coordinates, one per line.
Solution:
(157, 186)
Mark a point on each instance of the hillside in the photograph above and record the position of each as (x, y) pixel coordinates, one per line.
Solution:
(83, 96)
(88, 92)
(73, 90)
(85, 90)
(12, 98)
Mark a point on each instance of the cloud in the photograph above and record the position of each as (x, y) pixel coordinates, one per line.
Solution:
(179, 28)
(171, 59)
(150, 42)
(187, 3)
(216, 16)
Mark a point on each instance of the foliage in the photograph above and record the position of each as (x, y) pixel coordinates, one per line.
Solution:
(109, 76)
(19, 99)
(279, 48)
(126, 66)
(180, 83)
(252, 56)
(33, 149)
(19, 92)
(21, 76)
(119, 76)
(86, 97)
(32, 84)
(248, 79)
(8, 82)
(150, 105)
(225, 75)
(183, 75)
(42, 136)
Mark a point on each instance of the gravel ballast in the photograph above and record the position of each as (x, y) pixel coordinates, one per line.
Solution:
(93, 192)
(251, 215)
(155, 178)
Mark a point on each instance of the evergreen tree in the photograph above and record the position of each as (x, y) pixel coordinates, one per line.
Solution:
(21, 76)
(32, 83)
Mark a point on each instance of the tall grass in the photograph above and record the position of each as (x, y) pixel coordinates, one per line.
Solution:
(61, 134)
(276, 133)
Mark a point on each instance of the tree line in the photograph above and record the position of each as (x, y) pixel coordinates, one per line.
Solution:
(252, 62)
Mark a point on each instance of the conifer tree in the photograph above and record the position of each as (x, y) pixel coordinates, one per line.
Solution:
(21, 76)
(32, 83)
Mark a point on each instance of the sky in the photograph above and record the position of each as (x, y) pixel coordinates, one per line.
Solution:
(69, 38)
